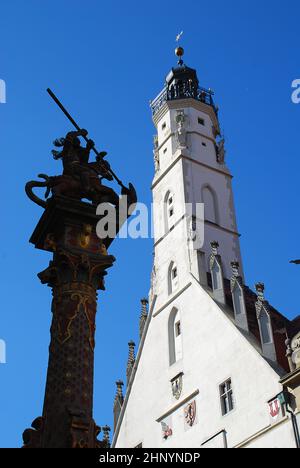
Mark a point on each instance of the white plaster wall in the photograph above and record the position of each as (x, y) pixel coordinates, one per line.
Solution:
(278, 437)
(213, 351)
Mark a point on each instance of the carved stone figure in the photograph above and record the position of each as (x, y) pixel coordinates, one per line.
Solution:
(81, 179)
(156, 153)
(220, 148)
(181, 133)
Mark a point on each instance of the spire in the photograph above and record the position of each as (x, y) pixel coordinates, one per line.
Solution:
(143, 316)
(131, 360)
(118, 402)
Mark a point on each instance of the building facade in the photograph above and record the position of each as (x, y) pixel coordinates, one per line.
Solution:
(217, 365)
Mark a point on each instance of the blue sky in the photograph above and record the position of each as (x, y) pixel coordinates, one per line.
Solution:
(106, 60)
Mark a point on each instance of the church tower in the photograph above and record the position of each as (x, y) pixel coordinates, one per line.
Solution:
(211, 352)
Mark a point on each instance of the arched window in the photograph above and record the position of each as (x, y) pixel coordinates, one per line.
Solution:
(169, 211)
(175, 337)
(210, 205)
(172, 278)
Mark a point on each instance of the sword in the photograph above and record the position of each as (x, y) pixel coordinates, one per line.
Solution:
(64, 110)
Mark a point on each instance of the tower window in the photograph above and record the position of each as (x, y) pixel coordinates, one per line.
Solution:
(164, 126)
(175, 337)
(172, 278)
(201, 121)
(177, 328)
(203, 143)
(165, 150)
(226, 396)
(169, 211)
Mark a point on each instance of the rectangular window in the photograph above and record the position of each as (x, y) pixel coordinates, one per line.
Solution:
(164, 126)
(226, 396)
(165, 150)
(201, 121)
(178, 328)
(203, 143)
(171, 212)
(174, 273)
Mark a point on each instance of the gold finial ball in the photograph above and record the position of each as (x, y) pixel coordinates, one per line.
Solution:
(179, 51)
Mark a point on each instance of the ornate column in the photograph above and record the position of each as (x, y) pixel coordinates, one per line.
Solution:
(75, 274)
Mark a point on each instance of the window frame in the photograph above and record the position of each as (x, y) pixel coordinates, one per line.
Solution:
(227, 395)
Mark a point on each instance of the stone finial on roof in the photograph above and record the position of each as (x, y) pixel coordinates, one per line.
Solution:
(215, 247)
(106, 432)
(260, 289)
(131, 360)
(143, 316)
(118, 402)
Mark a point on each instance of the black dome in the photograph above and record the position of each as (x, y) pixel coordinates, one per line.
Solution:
(182, 82)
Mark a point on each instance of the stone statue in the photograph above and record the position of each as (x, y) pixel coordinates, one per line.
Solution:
(221, 152)
(181, 134)
(80, 179)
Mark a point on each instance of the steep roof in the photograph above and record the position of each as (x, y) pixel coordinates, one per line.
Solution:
(281, 325)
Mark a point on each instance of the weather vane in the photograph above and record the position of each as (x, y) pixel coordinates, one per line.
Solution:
(178, 37)
(179, 51)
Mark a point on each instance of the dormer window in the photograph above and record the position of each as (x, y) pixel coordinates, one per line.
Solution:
(215, 266)
(265, 327)
(265, 324)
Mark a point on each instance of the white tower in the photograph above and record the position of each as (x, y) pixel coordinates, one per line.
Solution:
(207, 336)
(189, 169)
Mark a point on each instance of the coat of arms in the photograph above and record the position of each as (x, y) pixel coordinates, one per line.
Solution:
(274, 407)
(166, 430)
(190, 413)
(177, 385)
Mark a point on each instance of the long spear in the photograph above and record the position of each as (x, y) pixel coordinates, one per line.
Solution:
(57, 101)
